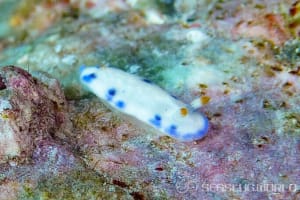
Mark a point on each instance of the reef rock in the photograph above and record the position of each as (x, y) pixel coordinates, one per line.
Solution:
(30, 110)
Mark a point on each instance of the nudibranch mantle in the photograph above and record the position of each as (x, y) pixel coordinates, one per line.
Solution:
(144, 101)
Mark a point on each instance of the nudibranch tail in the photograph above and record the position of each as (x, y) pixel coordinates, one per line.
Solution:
(145, 101)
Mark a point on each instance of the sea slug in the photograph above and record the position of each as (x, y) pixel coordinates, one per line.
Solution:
(139, 98)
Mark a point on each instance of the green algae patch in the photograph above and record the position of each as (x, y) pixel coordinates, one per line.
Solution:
(151, 55)
(290, 52)
(74, 185)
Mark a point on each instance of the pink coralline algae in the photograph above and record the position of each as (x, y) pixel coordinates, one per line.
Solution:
(30, 110)
(51, 157)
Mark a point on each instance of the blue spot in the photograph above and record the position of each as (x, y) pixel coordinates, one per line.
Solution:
(110, 94)
(88, 78)
(157, 117)
(147, 81)
(172, 130)
(120, 104)
(156, 121)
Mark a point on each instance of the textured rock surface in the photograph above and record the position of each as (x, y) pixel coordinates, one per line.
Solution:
(241, 55)
(30, 110)
(35, 160)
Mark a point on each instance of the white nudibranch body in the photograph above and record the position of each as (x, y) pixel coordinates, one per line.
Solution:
(145, 101)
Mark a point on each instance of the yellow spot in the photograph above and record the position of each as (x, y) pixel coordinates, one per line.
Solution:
(205, 100)
(184, 111)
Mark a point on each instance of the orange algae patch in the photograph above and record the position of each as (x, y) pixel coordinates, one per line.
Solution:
(90, 4)
(270, 27)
